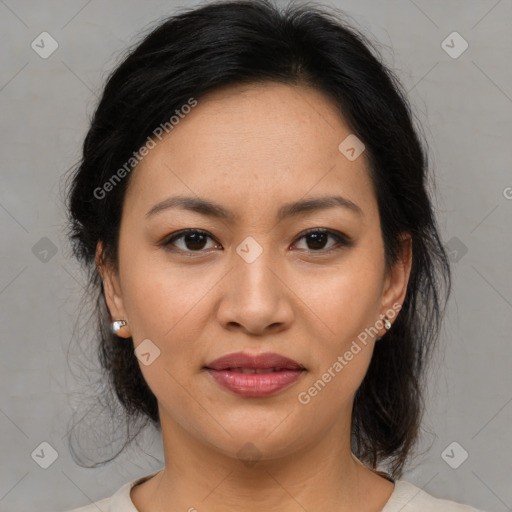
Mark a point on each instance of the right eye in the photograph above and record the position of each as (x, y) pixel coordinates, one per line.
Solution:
(193, 240)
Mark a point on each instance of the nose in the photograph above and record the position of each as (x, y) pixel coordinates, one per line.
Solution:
(255, 296)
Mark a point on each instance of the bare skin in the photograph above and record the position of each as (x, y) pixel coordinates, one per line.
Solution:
(252, 149)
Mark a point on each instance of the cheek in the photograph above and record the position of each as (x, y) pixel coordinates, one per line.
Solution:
(346, 306)
(342, 305)
(162, 299)
(345, 297)
(164, 306)
(168, 306)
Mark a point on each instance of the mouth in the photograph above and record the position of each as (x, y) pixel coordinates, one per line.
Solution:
(260, 375)
(243, 362)
(252, 370)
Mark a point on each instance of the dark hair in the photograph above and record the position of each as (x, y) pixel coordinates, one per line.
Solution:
(234, 42)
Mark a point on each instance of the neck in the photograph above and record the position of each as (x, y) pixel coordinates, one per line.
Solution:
(322, 474)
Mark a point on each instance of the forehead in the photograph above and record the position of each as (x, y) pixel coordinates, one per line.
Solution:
(251, 145)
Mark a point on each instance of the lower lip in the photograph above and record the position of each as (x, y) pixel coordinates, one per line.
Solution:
(255, 384)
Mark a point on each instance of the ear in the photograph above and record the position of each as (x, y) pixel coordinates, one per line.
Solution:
(112, 289)
(397, 278)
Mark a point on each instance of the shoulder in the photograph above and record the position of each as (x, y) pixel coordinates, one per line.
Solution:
(407, 497)
(120, 501)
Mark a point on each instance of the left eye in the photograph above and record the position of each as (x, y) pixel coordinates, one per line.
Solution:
(194, 240)
(318, 238)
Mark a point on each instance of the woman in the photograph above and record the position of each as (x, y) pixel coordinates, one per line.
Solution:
(252, 206)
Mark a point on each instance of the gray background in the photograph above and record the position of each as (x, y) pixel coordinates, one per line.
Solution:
(465, 104)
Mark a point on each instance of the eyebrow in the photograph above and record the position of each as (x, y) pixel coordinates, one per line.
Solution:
(211, 209)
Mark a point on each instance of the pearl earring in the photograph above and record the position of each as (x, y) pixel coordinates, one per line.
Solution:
(387, 325)
(116, 326)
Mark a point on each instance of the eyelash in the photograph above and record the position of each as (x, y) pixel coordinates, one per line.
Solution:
(341, 240)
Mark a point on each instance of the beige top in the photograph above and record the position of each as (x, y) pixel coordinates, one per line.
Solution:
(406, 497)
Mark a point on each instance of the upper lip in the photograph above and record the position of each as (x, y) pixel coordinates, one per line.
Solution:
(245, 360)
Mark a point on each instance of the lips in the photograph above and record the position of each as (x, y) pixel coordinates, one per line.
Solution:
(242, 374)
(242, 362)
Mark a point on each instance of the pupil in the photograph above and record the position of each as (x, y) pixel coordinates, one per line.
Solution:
(196, 243)
(316, 237)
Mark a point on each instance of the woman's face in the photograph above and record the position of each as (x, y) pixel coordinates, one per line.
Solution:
(253, 151)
